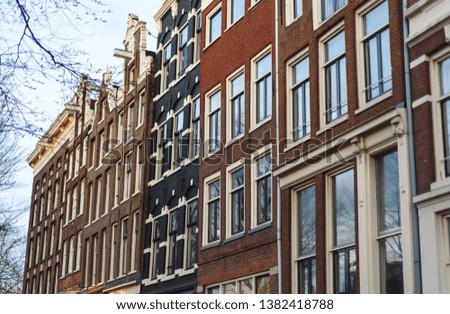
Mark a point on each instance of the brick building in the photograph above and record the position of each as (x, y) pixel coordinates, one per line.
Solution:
(237, 234)
(344, 150)
(170, 250)
(86, 222)
(429, 49)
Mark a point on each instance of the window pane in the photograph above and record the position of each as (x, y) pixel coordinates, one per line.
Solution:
(237, 85)
(301, 71)
(344, 208)
(193, 210)
(215, 26)
(264, 165)
(445, 76)
(196, 108)
(238, 178)
(307, 221)
(262, 285)
(214, 101)
(264, 66)
(388, 192)
(335, 46)
(331, 6)
(237, 10)
(214, 290)
(214, 189)
(345, 271)
(376, 18)
(307, 276)
(183, 36)
(246, 286)
(446, 131)
(229, 288)
(386, 61)
(180, 121)
(297, 8)
(391, 260)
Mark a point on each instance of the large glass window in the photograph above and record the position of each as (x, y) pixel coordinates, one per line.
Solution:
(264, 88)
(301, 100)
(214, 121)
(389, 223)
(306, 240)
(237, 201)
(173, 230)
(213, 211)
(297, 8)
(335, 78)
(184, 61)
(264, 189)
(444, 74)
(377, 52)
(344, 253)
(237, 106)
(329, 7)
(215, 25)
(195, 136)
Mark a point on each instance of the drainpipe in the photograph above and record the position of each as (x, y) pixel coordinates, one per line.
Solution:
(412, 159)
(277, 130)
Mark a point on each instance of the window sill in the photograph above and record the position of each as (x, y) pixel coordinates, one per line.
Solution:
(260, 124)
(234, 140)
(211, 245)
(261, 227)
(292, 145)
(211, 154)
(234, 23)
(290, 21)
(332, 124)
(253, 4)
(211, 43)
(234, 237)
(373, 102)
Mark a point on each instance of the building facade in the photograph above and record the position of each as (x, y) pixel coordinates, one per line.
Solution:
(429, 49)
(344, 151)
(86, 224)
(238, 223)
(171, 218)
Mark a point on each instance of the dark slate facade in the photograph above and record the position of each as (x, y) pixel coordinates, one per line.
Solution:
(170, 246)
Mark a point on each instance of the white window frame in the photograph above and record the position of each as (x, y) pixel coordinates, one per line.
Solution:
(139, 168)
(317, 13)
(253, 101)
(141, 110)
(120, 128)
(128, 175)
(195, 126)
(134, 244)
(207, 181)
(98, 191)
(237, 166)
(198, 36)
(299, 57)
(230, 98)
(324, 125)
(103, 258)
(117, 180)
(255, 157)
(82, 196)
(236, 282)
(290, 11)
(78, 257)
(130, 122)
(208, 113)
(230, 21)
(124, 246)
(107, 199)
(361, 58)
(194, 227)
(165, 66)
(112, 255)
(208, 40)
(183, 50)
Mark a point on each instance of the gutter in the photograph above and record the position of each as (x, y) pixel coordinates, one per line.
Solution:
(277, 130)
(412, 160)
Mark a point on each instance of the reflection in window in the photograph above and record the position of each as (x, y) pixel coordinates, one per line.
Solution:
(214, 211)
(214, 122)
(237, 106)
(264, 189)
(301, 99)
(237, 10)
(215, 26)
(237, 201)
(264, 88)
(192, 211)
(444, 71)
(329, 7)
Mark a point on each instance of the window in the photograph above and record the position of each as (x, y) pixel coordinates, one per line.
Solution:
(329, 7)
(78, 257)
(124, 247)
(198, 36)
(389, 236)
(213, 211)
(139, 168)
(56, 198)
(98, 198)
(164, 162)
(64, 259)
(195, 136)
(306, 240)
(237, 104)
(131, 81)
(167, 54)
(94, 261)
(141, 113)
(74, 203)
(157, 268)
(259, 284)
(82, 196)
(85, 151)
(127, 182)
(134, 240)
(294, 9)
(444, 100)
(184, 57)
(91, 153)
(44, 245)
(214, 103)
(77, 159)
(173, 245)
(300, 99)
(117, 184)
(236, 11)
(130, 130)
(192, 211)
(52, 238)
(103, 258)
(120, 128)
(237, 201)
(86, 263)
(335, 78)
(112, 256)
(377, 53)
(91, 202)
(343, 216)
(263, 87)
(107, 192)
(215, 25)
(181, 138)
(71, 254)
(263, 190)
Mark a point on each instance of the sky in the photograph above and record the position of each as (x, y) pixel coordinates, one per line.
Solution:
(99, 41)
